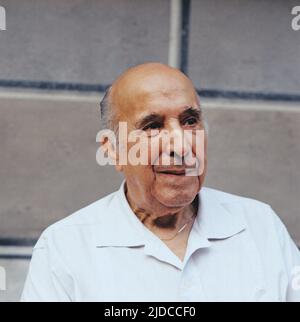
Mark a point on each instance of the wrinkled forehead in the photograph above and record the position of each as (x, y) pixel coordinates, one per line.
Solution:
(162, 94)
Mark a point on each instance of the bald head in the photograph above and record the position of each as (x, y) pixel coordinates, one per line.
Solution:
(140, 84)
(149, 77)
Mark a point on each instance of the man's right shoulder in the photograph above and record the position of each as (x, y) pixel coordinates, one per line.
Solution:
(83, 220)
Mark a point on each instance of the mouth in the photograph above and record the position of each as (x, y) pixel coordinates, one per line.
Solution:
(174, 172)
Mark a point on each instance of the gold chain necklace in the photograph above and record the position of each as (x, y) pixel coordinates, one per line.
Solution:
(180, 230)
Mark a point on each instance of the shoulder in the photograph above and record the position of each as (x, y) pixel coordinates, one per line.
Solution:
(77, 227)
(232, 198)
(257, 214)
(262, 224)
(229, 198)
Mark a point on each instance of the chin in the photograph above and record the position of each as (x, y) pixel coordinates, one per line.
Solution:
(175, 198)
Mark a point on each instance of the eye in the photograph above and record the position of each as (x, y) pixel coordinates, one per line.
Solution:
(190, 121)
(153, 126)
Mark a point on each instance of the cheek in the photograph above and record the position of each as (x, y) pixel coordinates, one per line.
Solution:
(198, 143)
(199, 148)
(154, 149)
(141, 175)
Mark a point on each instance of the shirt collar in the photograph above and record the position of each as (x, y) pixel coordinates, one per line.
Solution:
(120, 227)
(219, 219)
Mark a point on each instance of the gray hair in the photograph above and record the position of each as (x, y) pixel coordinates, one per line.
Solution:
(107, 112)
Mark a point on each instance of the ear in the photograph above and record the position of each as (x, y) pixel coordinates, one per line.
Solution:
(109, 145)
(107, 149)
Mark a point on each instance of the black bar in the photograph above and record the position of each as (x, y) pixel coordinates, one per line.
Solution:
(212, 93)
(185, 28)
(44, 85)
(17, 241)
(15, 257)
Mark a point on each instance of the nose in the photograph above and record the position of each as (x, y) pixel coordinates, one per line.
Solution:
(179, 145)
(176, 144)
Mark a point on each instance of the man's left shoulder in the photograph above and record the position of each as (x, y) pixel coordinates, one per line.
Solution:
(223, 196)
(251, 209)
(258, 217)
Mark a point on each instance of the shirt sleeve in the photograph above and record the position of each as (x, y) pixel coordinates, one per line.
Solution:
(47, 279)
(291, 257)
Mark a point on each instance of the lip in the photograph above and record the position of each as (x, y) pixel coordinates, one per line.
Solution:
(176, 172)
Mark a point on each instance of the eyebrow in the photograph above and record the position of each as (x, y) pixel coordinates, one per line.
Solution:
(191, 111)
(154, 117)
(148, 119)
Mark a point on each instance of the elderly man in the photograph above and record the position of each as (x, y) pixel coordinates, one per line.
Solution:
(162, 236)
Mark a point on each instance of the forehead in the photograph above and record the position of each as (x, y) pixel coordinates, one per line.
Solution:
(164, 102)
(160, 91)
(167, 102)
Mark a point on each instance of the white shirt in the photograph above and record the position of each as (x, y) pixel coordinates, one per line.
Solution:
(238, 250)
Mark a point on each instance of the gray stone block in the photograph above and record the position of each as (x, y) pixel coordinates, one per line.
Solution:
(244, 45)
(81, 41)
(48, 163)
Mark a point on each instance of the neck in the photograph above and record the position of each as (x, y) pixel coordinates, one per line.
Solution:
(164, 218)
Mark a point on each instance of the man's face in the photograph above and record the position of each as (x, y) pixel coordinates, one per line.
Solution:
(159, 108)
